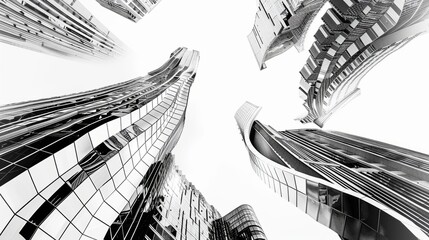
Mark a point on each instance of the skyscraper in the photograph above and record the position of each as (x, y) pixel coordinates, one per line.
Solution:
(60, 27)
(355, 36)
(98, 165)
(359, 188)
(71, 164)
(133, 10)
(170, 207)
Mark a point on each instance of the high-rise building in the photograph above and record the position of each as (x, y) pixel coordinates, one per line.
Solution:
(58, 27)
(133, 10)
(240, 224)
(70, 165)
(98, 165)
(359, 188)
(355, 36)
(169, 207)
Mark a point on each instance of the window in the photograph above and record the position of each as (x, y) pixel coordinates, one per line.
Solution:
(83, 146)
(312, 208)
(65, 159)
(44, 173)
(337, 222)
(18, 191)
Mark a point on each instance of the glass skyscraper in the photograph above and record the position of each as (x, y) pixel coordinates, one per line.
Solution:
(57, 27)
(169, 207)
(71, 164)
(98, 165)
(354, 37)
(240, 224)
(359, 188)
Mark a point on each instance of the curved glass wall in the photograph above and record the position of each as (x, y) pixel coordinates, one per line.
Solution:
(241, 224)
(72, 164)
(343, 199)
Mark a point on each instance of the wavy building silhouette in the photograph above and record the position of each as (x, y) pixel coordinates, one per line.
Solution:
(71, 164)
(354, 37)
(98, 165)
(357, 187)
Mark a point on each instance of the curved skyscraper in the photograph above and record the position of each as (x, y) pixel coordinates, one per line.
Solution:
(359, 188)
(132, 10)
(98, 165)
(71, 164)
(355, 36)
(57, 27)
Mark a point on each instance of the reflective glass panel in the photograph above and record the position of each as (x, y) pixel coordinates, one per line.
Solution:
(312, 208)
(65, 158)
(369, 215)
(99, 135)
(83, 146)
(366, 233)
(324, 216)
(352, 228)
(44, 173)
(302, 201)
(292, 196)
(338, 221)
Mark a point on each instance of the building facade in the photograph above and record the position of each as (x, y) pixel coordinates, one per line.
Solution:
(240, 224)
(354, 36)
(57, 27)
(132, 10)
(357, 187)
(71, 164)
(169, 207)
(98, 165)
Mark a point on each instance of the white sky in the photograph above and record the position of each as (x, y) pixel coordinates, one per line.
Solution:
(391, 108)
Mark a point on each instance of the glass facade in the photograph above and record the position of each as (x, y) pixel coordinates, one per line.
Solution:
(57, 27)
(98, 165)
(169, 207)
(132, 10)
(71, 165)
(354, 37)
(359, 189)
(240, 224)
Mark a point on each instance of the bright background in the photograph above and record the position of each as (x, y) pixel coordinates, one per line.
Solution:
(392, 107)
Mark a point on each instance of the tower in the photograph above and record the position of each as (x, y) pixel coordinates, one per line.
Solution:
(359, 188)
(71, 164)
